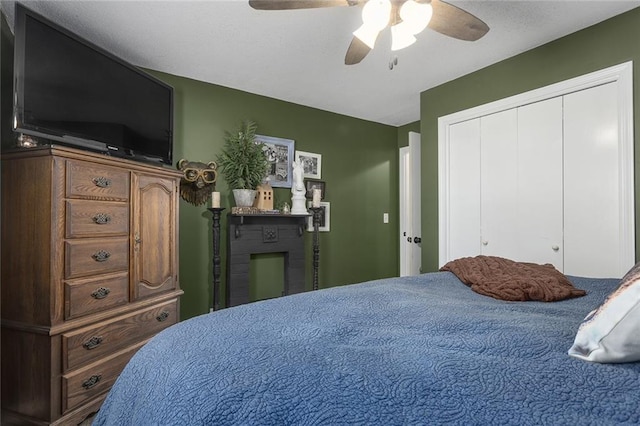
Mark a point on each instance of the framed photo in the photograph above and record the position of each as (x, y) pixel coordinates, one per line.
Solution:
(311, 184)
(279, 153)
(325, 217)
(311, 164)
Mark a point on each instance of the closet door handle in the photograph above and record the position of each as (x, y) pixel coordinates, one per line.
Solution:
(555, 248)
(484, 243)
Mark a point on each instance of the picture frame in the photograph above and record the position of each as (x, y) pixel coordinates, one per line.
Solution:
(311, 164)
(311, 184)
(325, 219)
(279, 154)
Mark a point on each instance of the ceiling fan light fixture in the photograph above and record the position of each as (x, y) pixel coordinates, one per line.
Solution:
(401, 37)
(376, 14)
(367, 35)
(416, 16)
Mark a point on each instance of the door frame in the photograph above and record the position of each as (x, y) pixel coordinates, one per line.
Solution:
(621, 74)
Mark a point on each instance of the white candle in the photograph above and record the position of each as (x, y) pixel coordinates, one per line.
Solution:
(215, 199)
(316, 197)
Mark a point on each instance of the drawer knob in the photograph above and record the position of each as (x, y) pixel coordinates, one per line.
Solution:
(101, 293)
(102, 182)
(92, 381)
(101, 255)
(163, 316)
(92, 343)
(102, 218)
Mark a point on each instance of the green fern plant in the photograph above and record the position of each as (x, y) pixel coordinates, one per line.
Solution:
(242, 162)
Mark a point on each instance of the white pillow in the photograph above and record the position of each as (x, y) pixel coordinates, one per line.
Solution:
(611, 333)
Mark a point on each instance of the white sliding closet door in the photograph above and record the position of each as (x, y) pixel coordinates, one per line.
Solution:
(521, 183)
(499, 183)
(464, 196)
(539, 194)
(552, 180)
(591, 178)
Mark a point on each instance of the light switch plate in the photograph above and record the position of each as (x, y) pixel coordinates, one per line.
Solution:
(385, 217)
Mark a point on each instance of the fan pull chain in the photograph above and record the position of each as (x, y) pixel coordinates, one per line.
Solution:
(393, 62)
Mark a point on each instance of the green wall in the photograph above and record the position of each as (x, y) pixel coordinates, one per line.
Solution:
(609, 43)
(359, 166)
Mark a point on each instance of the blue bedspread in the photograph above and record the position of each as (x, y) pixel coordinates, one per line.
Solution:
(422, 350)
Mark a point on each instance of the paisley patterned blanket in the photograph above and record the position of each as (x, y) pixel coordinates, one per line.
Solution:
(422, 350)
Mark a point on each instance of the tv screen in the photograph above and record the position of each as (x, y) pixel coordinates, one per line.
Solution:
(71, 91)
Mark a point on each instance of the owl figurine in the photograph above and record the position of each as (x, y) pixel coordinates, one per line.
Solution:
(198, 181)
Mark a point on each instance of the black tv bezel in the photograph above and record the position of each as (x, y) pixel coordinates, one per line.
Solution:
(69, 138)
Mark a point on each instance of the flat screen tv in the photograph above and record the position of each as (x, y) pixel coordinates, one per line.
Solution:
(71, 91)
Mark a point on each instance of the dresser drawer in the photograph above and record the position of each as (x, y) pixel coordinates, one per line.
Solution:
(86, 296)
(97, 378)
(96, 182)
(82, 346)
(94, 218)
(95, 256)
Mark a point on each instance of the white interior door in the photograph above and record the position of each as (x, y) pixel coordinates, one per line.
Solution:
(410, 210)
(405, 213)
(539, 195)
(521, 181)
(499, 183)
(463, 199)
(592, 187)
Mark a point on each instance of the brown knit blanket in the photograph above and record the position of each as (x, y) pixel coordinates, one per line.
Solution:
(515, 281)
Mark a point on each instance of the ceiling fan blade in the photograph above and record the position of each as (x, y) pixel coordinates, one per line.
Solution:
(356, 52)
(455, 22)
(296, 4)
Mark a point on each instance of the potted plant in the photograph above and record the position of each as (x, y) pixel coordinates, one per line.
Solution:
(242, 163)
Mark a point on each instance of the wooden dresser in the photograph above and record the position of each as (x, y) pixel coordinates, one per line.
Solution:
(89, 274)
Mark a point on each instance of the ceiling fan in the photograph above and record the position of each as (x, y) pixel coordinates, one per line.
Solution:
(405, 17)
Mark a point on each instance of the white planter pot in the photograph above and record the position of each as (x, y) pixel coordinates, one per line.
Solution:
(244, 197)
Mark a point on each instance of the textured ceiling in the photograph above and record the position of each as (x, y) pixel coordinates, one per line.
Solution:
(298, 55)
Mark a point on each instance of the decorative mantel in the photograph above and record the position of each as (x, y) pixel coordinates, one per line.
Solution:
(262, 233)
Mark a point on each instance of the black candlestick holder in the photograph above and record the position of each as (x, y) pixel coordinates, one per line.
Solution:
(216, 211)
(317, 217)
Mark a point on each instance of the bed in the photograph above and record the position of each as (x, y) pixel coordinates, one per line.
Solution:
(399, 351)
